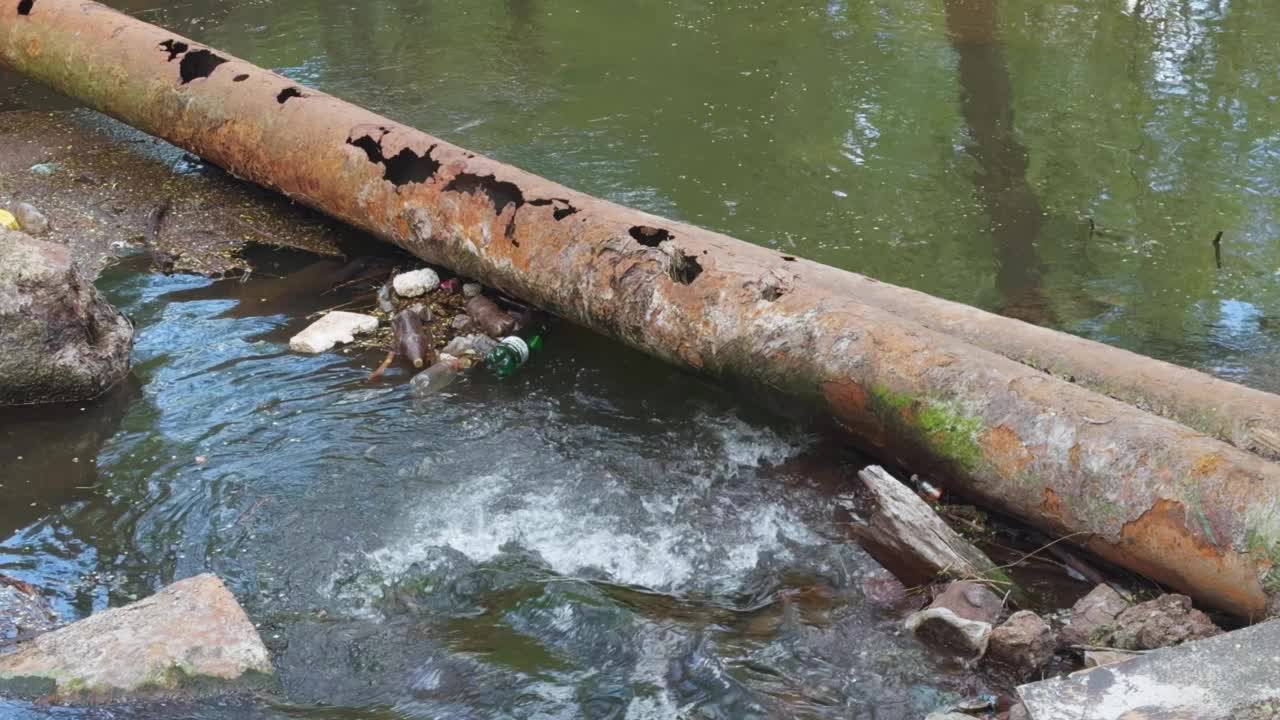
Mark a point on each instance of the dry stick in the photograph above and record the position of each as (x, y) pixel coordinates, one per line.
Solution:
(1041, 549)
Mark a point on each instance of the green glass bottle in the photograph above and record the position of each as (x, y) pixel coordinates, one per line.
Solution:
(510, 355)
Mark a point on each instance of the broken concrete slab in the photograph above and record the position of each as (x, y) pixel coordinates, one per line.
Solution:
(337, 327)
(1235, 675)
(190, 639)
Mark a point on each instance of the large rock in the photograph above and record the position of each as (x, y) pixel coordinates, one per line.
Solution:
(60, 341)
(1093, 616)
(190, 638)
(1024, 643)
(24, 612)
(1166, 621)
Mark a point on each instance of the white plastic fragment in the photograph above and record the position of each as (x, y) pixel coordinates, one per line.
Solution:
(416, 283)
(334, 328)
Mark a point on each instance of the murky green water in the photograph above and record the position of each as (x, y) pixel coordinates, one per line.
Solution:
(604, 537)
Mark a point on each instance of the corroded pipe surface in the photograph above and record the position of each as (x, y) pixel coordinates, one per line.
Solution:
(1153, 495)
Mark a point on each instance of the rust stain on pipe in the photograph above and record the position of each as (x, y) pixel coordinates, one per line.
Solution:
(1153, 495)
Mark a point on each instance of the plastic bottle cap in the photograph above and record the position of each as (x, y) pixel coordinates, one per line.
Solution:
(519, 345)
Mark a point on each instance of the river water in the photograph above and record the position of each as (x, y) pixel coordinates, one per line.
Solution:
(603, 536)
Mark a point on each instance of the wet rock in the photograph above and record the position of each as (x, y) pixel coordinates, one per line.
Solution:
(470, 346)
(943, 630)
(334, 328)
(462, 323)
(1166, 621)
(471, 290)
(62, 341)
(416, 283)
(1099, 658)
(884, 590)
(190, 638)
(1024, 643)
(1093, 615)
(24, 612)
(32, 221)
(971, 601)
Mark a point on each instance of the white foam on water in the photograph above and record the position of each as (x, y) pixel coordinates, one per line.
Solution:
(669, 534)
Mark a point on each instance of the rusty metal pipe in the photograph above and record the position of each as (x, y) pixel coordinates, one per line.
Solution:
(1153, 495)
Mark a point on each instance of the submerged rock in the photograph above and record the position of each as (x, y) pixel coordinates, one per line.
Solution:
(1166, 621)
(24, 612)
(62, 341)
(334, 328)
(191, 638)
(1024, 643)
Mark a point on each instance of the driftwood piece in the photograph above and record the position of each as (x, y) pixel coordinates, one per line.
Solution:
(908, 538)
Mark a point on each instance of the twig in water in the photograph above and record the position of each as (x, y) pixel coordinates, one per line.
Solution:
(1041, 549)
(391, 357)
(318, 313)
(1217, 249)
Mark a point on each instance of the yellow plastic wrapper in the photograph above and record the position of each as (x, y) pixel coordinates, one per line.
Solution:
(8, 221)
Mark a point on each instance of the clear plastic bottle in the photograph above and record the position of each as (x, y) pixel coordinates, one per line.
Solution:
(437, 377)
(510, 355)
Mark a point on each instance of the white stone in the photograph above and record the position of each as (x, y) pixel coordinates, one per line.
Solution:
(416, 283)
(334, 328)
(192, 630)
